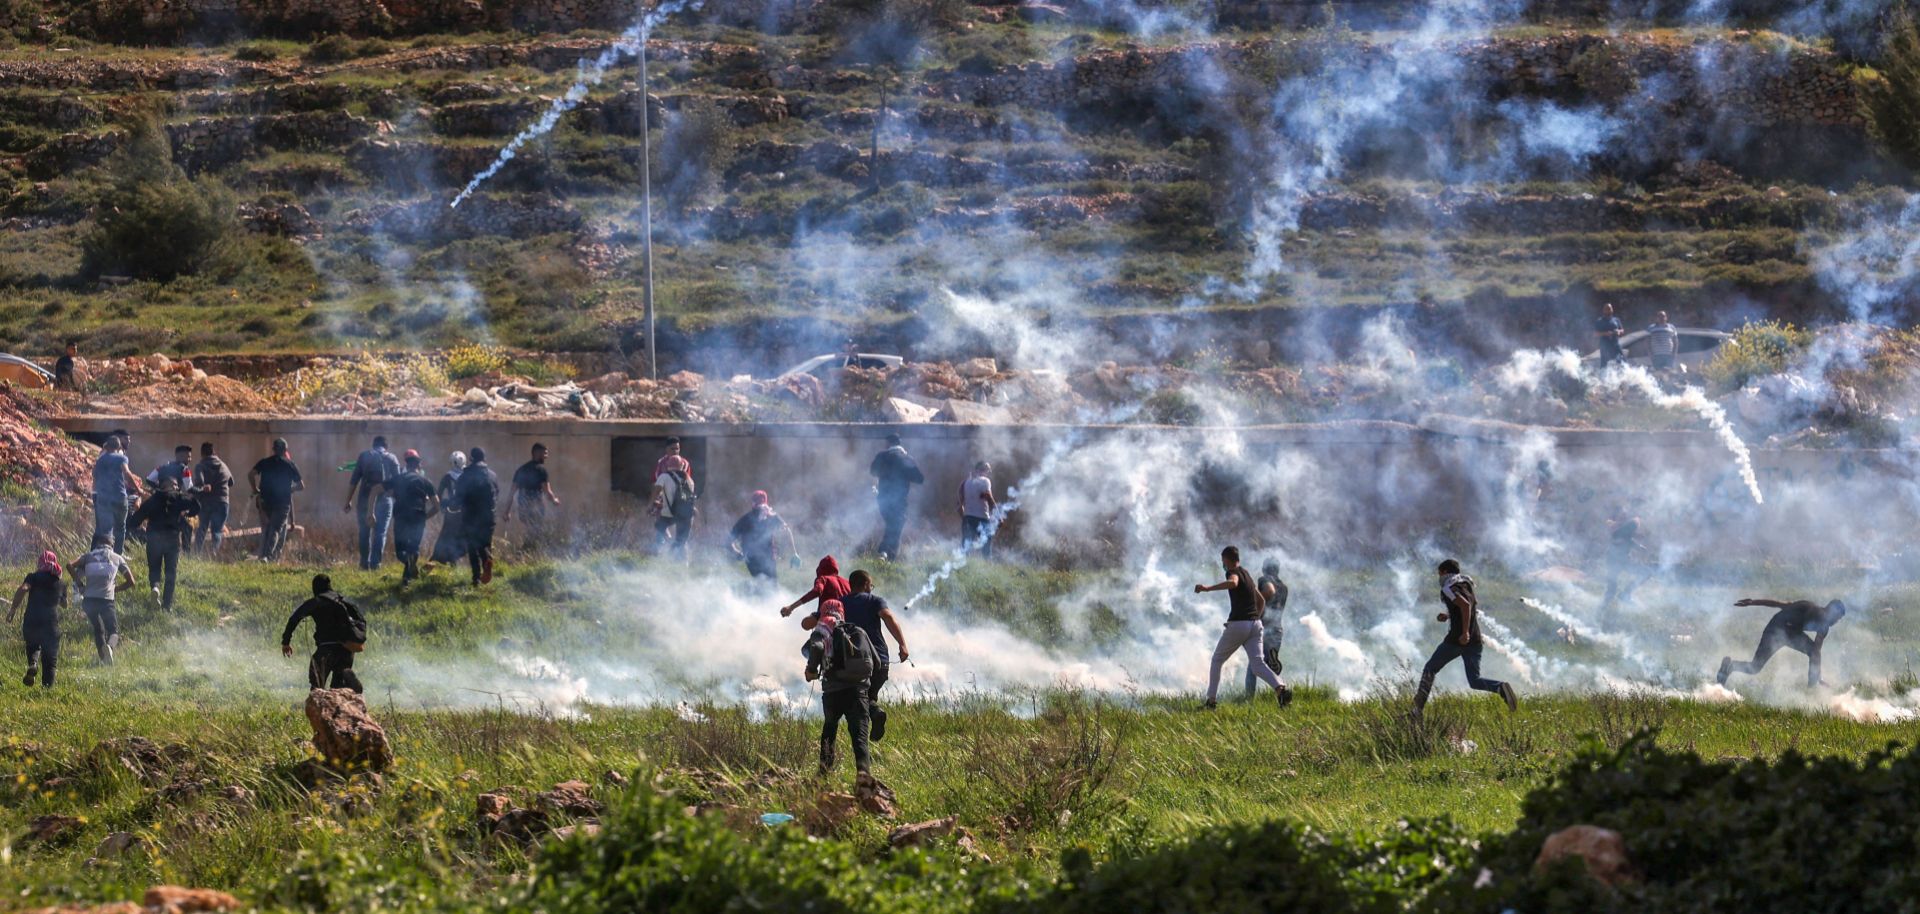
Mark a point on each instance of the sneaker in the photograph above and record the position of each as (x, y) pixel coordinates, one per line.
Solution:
(486, 571)
(1726, 669)
(1507, 695)
(877, 725)
(32, 674)
(1209, 705)
(156, 591)
(1283, 695)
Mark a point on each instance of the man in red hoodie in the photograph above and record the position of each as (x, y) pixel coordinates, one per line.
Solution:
(827, 585)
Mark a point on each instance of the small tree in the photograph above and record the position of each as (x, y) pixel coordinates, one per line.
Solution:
(695, 151)
(1891, 102)
(154, 222)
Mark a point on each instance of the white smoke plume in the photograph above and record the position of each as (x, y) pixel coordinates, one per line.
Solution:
(590, 73)
(1000, 511)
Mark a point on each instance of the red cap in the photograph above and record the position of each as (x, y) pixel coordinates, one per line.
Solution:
(412, 454)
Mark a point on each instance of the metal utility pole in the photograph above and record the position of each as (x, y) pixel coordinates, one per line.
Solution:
(646, 209)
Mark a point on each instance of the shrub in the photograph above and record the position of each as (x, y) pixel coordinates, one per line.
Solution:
(1603, 72)
(154, 222)
(694, 152)
(1890, 96)
(474, 359)
(337, 48)
(1792, 834)
(1063, 772)
(1756, 349)
(257, 52)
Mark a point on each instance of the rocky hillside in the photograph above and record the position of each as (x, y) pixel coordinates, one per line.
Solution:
(825, 168)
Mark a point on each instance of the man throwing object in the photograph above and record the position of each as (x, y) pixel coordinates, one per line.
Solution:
(1801, 625)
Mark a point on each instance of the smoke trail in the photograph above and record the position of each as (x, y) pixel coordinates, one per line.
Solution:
(1000, 512)
(1525, 660)
(1851, 706)
(1694, 400)
(1527, 372)
(1326, 640)
(591, 72)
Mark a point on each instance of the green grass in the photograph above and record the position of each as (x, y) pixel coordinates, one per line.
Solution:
(210, 677)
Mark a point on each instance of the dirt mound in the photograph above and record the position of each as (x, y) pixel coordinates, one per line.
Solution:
(197, 395)
(36, 455)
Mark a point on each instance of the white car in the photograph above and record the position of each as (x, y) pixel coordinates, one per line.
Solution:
(820, 363)
(1696, 347)
(23, 372)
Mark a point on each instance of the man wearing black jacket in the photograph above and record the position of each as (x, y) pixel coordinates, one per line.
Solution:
(339, 631)
(895, 474)
(479, 494)
(166, 514)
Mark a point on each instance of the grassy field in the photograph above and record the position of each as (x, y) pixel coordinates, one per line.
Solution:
(1031, 773)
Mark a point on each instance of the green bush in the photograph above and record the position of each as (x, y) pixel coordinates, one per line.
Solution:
(1757, 349)
(257, 52)
(1792, 834)
(338, 48)
(694, 152)
(154, 222)
(1890, 94)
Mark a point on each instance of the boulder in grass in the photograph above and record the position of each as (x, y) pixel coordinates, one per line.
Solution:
(920, 834)
(53, 829)
(344, 734)
(1603, 850)
(173, 899)
(875, 796)
(571, 798)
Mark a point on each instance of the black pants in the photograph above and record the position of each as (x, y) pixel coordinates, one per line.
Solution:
(973, 535)
(876, 714)
(43, 650)
(479, 548)
(1772, 640)
(763, 566)
(682, 528)
(894, 519)
(105, 623)
(163, 563)
(1450, 650)
(850, 704)
(408, 534)
(332, 668)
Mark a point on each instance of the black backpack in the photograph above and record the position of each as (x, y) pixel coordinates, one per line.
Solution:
(356, 623)
(852, 654)
(378, 470)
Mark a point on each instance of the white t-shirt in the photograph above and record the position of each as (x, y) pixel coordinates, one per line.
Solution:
(101, 572)
(973, 496)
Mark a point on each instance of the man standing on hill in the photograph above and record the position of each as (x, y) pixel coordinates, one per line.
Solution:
(113, 484)
(414, 502)
(976, 510)
(1462, 643)
(479, 494)
(1801, 625)
(371, 471)
(274, 480)
(339, 632)
(97, 573)
(532, 493)
(895, 474)
(213, 485)
(1663, 340)
(1609, 330)
(1244, 630)
(64, 377)
(167, 515)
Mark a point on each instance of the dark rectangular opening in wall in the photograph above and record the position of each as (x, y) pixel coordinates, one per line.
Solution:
(633, 460)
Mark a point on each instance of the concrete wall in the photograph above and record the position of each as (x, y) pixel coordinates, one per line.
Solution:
(1368, 486)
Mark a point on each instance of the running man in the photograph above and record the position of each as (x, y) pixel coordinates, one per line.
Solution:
(753, 539)
(827, 585)
(274, 480)
(870, 612)
(976, 510)
(414, 502)
(1274, 590)
(168, 516)
(44, 595)
(1243, 628)
(372, 507)
(97, 573)
(1462, 643)
(478, 493)
(532, 493)
(213, 486)
(339, 632)
(1801, 625)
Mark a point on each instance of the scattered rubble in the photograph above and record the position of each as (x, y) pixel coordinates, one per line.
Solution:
(1604, 851)
(161, 899)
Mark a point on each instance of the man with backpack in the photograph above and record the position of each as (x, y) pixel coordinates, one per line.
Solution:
(339, 632)
(167, 515)
(1243, 631)
(1462, 643)
(841, 657)
(371, 471)
(895, 474)
(97, 573)
(869, 611)
(674, 494)
(415, 501)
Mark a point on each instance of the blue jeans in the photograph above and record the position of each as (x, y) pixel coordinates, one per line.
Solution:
(1449, 651)
(408, 532)
(213, 524)
(110, 520)
(373, 531)
(974, 535)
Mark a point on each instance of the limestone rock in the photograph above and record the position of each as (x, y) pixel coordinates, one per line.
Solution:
(343, 733)
(173, 899)
(921, 834)
(1604, 851)
(875, 797)
(572, 798)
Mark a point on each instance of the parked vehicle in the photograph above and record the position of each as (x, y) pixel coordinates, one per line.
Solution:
(16, 370)
(820, 364)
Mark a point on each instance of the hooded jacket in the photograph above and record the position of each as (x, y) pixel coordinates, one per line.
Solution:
(827, 583)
